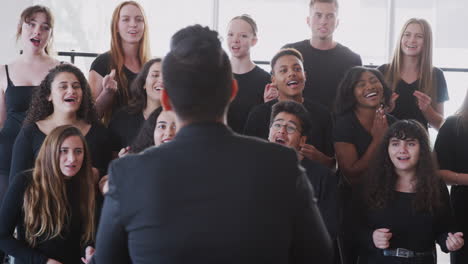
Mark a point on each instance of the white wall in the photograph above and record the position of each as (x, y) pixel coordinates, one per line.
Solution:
(9, 17)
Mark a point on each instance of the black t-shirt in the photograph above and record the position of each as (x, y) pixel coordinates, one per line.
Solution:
(348, 129)
(65, 248)
(451, 148)
(411, 229)
(251, 87)
(325, 183)
(124, 127)
(406, 106)
(258, 125)
(324, 70)
(102, 65)
(29, 142)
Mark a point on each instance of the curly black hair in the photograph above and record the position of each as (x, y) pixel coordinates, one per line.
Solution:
(41, 107)
(345, 100)
(381, 176)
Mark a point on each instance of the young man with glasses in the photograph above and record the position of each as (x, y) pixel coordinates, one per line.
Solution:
(289, 126)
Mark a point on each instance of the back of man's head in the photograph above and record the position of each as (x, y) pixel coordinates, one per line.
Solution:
(197, 75)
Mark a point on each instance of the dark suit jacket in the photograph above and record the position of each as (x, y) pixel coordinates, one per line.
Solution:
(211, 196)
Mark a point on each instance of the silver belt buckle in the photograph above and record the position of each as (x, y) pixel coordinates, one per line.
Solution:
(403, 253)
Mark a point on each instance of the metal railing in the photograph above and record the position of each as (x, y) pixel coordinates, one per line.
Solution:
(73, 54)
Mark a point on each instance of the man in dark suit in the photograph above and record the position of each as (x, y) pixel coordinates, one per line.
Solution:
(209, 195)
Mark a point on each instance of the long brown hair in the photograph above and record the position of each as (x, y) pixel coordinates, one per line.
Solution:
(427, 78)
(382, 178)
(26, 17)
(117, 53)
(46, 210)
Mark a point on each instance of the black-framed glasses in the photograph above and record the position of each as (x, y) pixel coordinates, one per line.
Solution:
(290, 129)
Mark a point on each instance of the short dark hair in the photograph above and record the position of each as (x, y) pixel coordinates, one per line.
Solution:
(197, 74)
(138, 94)
(285, 52)
(312, 2)
(292, 108)
(145, 138)
(345, 99)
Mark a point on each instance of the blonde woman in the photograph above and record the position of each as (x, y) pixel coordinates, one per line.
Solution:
(419, 88)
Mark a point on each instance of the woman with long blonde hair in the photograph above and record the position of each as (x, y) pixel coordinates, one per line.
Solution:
(112, 72)
(53, 205)
(420, 89)
(451, 148)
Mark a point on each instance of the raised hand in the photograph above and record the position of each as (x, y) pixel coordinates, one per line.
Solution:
(423, 100)
(89, 252)
(124, 151)
(455, 241)
(109, 83)
(380, 124)
(270, 92)
(381, 238)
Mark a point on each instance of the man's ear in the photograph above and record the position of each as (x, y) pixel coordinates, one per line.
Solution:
(165, 101)
(234, 90)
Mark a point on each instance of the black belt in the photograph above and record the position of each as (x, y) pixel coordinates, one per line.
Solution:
(405, 253)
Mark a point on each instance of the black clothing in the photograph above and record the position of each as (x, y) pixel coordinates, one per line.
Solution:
(251, 87)
(348, 129)
(17, 99)
(324, 70)
(227, 199)
(124, 127)
(325, 183)
(102, 65)
(411, 229)
(258, 125)
(451, 148)
(65, 249)
(406, 106)
(29, 142)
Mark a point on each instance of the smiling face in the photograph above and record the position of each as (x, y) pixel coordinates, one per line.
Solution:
(165, 129)
(368, 91)
(412, 40)
(71, 156)
(131, 24)
(153, 84)
(36, 32)
(286, 130)
(322, 20)
(404, 154)
(289, 77)
(66, 93)
(240, 38)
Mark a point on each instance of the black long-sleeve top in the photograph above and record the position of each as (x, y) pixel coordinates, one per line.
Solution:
(411, 229)
(29, 142)
(65, 249)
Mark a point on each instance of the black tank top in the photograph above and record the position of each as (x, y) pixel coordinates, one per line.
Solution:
(17, 99)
